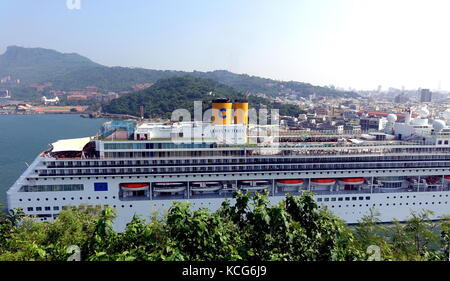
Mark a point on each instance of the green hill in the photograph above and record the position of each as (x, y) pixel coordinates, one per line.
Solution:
(269, 87)
(174, 93)
(74, 72)
(40, 65)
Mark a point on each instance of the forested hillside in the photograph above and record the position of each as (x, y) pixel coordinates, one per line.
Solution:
(74, 72)
(170, 94)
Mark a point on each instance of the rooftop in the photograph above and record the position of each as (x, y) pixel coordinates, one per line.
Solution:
(70, 144)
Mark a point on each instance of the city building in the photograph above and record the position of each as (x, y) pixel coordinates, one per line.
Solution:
(425, 95)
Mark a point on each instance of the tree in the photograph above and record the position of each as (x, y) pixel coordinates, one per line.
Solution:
(295, 230)
(370, 232)
(251, 229)
(29, 240)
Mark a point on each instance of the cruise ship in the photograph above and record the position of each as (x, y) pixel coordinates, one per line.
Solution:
(140, 168)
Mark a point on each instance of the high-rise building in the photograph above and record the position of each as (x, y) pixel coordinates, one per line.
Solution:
(369, 123)
(402, 98)
(425, 95)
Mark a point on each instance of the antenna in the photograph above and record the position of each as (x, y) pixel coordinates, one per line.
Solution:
(142, 111)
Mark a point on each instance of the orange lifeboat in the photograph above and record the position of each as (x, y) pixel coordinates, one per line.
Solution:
(352, 181)
(290, 184)
(447, 178)
(323, 181)
(134, 186)
(293, 182)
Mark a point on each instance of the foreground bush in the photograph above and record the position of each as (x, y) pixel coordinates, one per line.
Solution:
(251, 230)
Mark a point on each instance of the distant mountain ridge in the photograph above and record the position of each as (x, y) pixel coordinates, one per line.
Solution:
(75, 72)
(39, 64)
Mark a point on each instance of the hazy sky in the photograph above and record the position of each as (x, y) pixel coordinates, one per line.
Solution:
(359, 43)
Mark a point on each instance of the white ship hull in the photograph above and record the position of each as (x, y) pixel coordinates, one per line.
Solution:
(390, 205)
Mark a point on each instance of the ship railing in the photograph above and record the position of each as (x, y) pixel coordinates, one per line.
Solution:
(338, 145)
(378, 190)
(364, 166)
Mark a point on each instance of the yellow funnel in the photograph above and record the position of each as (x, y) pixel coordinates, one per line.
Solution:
(241, 113)
(222, 112)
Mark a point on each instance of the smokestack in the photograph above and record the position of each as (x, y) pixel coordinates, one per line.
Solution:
(408, 116)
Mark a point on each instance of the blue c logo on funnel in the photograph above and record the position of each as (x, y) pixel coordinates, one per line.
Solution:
(222, 113)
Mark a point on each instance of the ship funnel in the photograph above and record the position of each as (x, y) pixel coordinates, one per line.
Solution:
(222, 112)
(240, 112)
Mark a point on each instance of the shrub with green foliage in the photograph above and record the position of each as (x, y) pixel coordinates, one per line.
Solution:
(251, 229)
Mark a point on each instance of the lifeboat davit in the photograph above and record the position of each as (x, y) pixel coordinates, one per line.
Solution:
(323, 181)
(134, 186)
(351, 181)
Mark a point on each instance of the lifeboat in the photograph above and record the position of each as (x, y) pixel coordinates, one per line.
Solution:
(291, 182)
(391, 183)
(323, 181)
(134, 186)
(206, 186)
(447, 178)
(351, 181)
(204, 183)
(290, 185)
(254, 188)
(255, 182)
(255, 185)
(391, 180)
(172, 187)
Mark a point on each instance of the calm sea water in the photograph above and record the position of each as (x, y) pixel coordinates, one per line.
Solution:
(23, 137)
